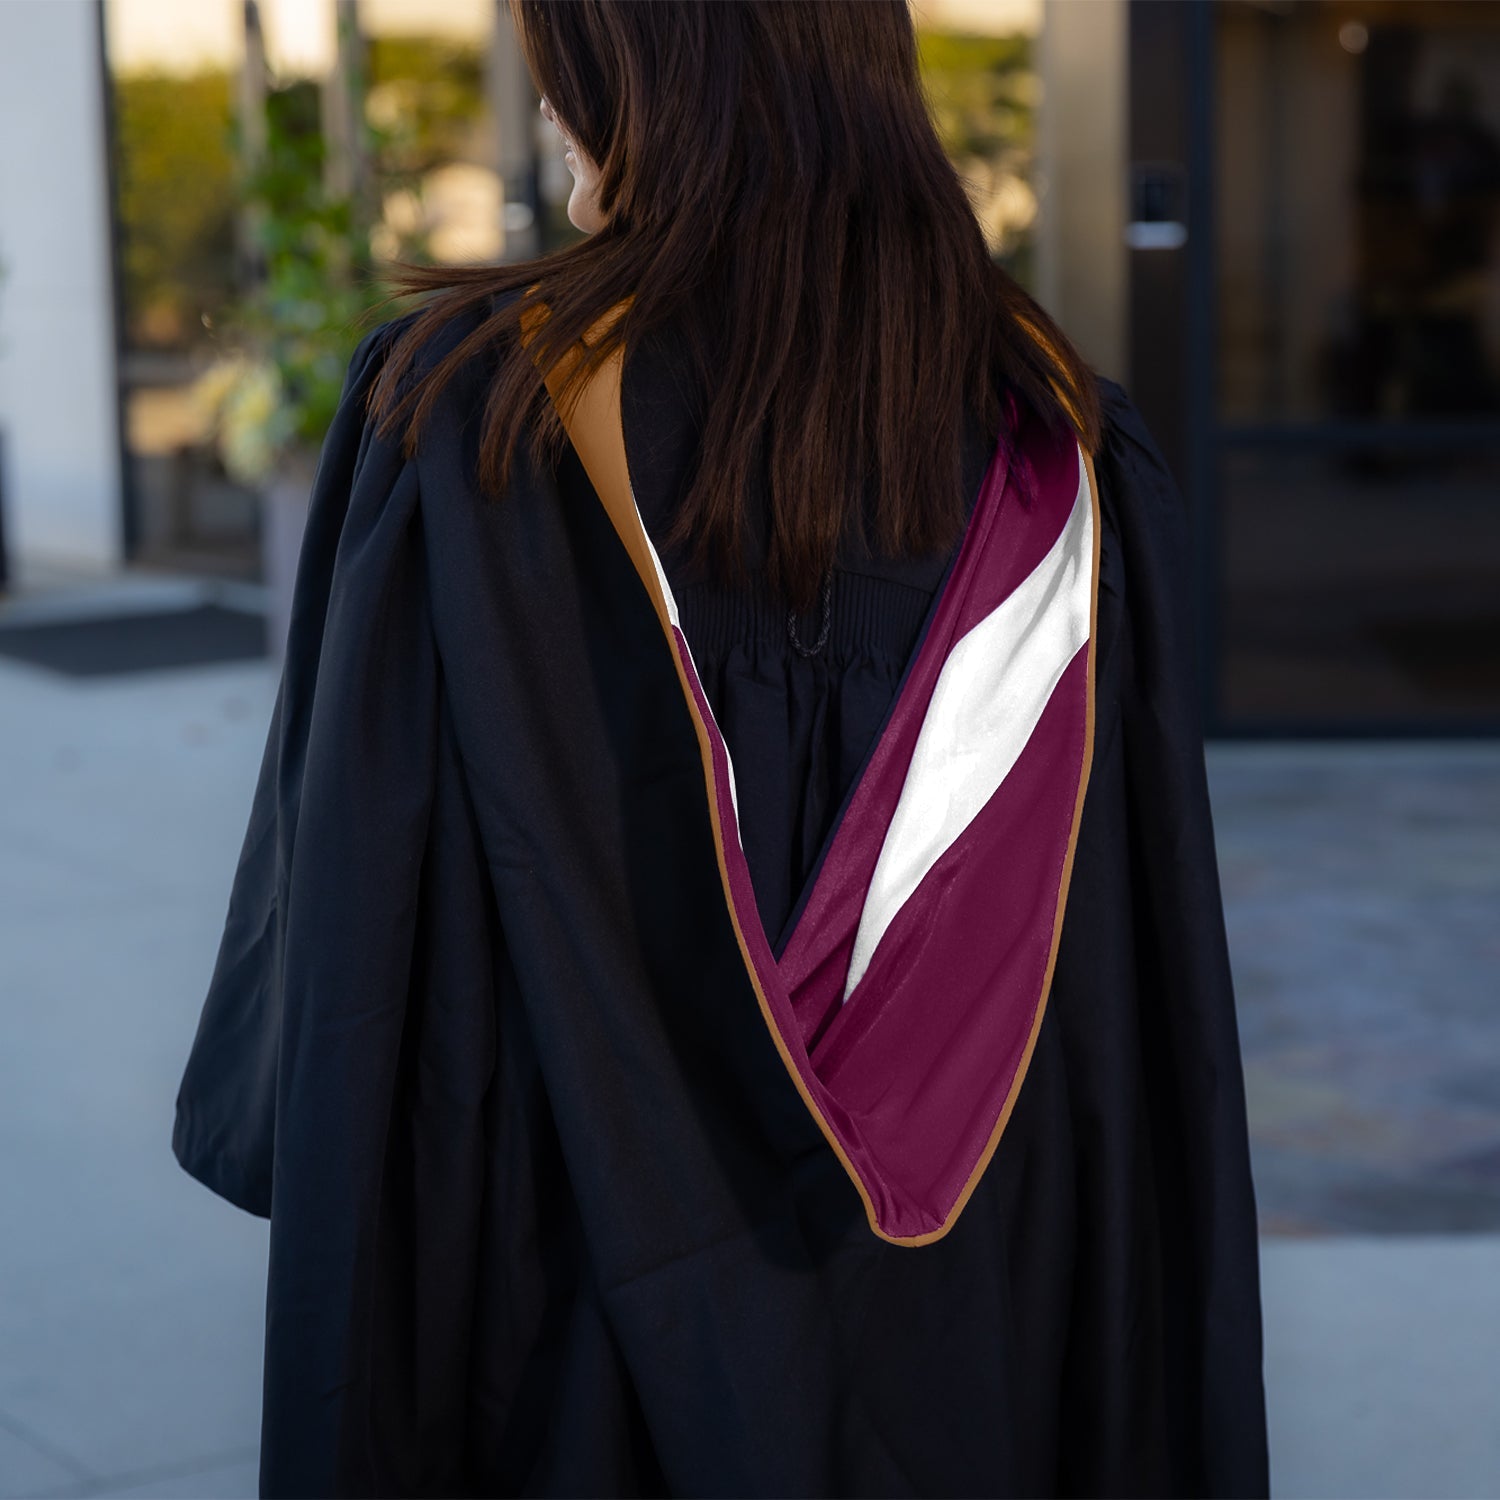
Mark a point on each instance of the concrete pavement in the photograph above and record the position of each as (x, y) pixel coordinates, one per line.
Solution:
(131, 1298)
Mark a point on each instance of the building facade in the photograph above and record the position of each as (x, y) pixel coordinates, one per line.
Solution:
(1276, 222)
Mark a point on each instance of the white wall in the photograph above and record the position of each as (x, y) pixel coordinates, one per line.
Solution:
(62, 482)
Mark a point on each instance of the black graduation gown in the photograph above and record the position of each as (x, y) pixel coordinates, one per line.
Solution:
(548, 1215)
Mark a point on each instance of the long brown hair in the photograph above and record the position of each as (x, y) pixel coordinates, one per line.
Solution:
(772, 186)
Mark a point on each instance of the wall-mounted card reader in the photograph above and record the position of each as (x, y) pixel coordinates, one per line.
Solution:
(1158, 206)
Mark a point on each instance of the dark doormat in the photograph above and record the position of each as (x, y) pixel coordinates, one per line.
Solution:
(115, 644)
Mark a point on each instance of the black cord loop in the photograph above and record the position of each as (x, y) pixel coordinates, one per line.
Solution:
(791, 621)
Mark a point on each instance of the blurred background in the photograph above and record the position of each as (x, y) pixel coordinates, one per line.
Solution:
(1276, 222)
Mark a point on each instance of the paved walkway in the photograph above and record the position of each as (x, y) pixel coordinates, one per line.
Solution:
(130, 1298)
(1383, 1366)
(1362, 891)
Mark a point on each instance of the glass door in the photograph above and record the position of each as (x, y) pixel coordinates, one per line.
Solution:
(1355, 445)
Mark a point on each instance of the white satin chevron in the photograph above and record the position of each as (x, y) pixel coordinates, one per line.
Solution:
(986, 704)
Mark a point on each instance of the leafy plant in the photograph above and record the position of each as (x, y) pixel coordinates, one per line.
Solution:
(427, 96)
(271, 399)
(175, 165)
(983, 93)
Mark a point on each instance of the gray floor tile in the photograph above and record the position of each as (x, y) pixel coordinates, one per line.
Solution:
(237, 1481)
(1381, 1367)
(130, 1325)
(27, 1468)
(224, 1477)
(1361, 886)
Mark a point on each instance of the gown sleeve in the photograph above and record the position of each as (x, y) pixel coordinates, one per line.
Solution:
(1194, 1079)
(348, 1043)
(322, 885)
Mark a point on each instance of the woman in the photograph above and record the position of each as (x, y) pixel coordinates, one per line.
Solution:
(725, 987)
